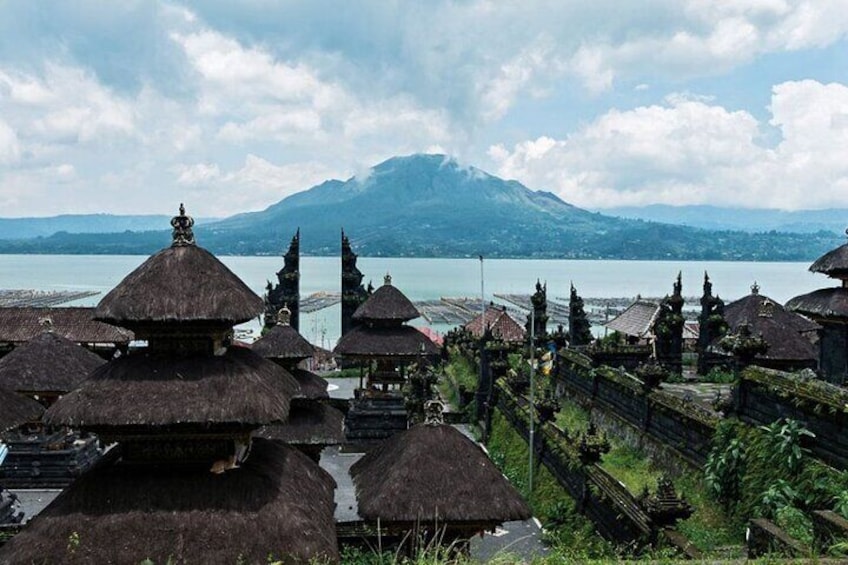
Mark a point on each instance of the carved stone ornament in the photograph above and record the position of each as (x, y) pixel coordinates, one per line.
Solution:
(182, 224)
(433, 413)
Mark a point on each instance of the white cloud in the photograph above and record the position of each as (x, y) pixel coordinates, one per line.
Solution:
(68, 104)
(689, 151)
(198, 173)
(9, 147)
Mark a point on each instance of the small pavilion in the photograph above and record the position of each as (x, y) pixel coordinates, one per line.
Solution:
(432, 482)
(383, 346)
(186, 482)
(829, 308)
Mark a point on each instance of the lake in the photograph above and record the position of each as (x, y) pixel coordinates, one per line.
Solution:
(427, 279)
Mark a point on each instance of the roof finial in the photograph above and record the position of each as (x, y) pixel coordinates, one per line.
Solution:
(387, 280)
(755, 288)
(434, 413)
(284, 316)
(182, 234)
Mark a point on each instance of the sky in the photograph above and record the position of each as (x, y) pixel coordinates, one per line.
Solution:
(132, 107)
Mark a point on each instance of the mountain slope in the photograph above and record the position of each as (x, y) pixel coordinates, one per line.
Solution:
(428, 205)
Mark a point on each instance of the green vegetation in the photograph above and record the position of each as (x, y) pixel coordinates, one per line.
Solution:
(572, 536)
(766, 472)
(459, 378)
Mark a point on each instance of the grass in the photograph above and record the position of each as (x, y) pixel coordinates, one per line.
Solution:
(630, 466)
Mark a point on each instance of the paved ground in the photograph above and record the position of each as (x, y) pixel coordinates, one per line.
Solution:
(33, 501)
(702, 393)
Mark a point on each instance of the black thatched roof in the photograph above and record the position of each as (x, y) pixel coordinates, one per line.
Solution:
(825, 303)
(399, 341)
(21, 324)
(283, 342)
(780, 328)
(834, 263)
(184, 284)
(278, 504)
(387, 304)
(433, 471)
(47, 364)
(146, 389)
(309, 423)
(312, 386)
(17, 409)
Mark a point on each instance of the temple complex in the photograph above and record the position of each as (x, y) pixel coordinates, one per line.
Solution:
(383, 346)
(353, 293)
(286, 293)
(829, 308)
(186, 482)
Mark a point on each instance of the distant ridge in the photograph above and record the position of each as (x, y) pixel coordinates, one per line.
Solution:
(741, 219)
(25, 228)
(431, 206)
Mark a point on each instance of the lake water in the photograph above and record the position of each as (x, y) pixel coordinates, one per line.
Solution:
(426, 279)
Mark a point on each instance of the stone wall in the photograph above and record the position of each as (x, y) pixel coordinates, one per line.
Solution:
(616, 513)
(684, 427)
(764, 396)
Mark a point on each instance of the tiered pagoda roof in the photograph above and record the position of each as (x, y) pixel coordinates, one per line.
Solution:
(826, 303)
(433, 472)
(382, 332)
(153, 389)
(182, 284)
(189, 484)
(387, 305)
(47, 364)
(834, 263)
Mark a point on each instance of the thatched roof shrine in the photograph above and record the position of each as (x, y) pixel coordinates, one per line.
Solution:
(283, 342)
(21, 324)
(387, 305)
(785, 332)
(834, 263)
(181, 284)
(277, 505)
(17, 409)
(47, 364)
(822, 304)
(153, 389)
(309, 423)
(402, 342)
(433, 472)
(312, 387)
